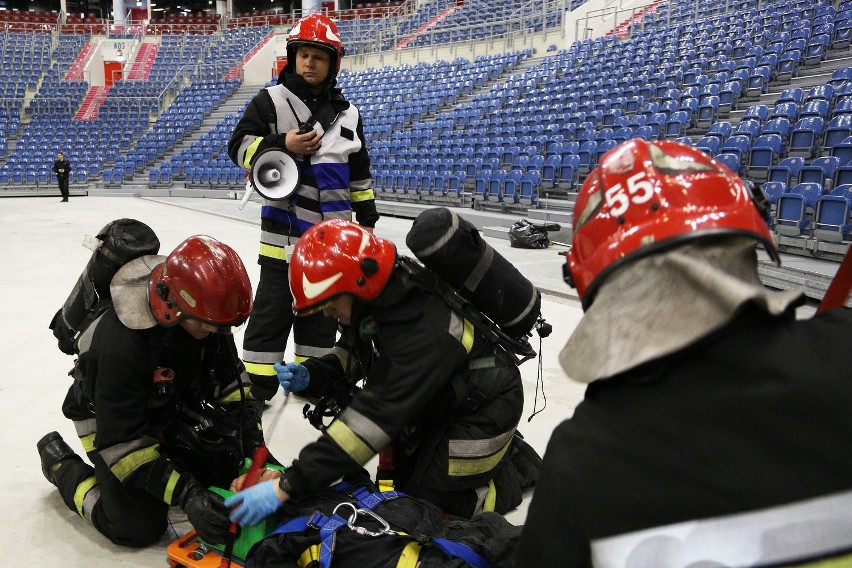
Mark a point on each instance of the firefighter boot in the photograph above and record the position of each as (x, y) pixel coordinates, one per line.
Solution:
(526, 461)
(52, 449)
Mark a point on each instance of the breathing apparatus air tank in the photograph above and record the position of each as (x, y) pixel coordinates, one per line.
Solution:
(115, 245)
(452, 248)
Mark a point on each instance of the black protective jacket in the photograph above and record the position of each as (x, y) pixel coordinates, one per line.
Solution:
(756, 416)
(62, 165)
(122, 420)
(428, 376)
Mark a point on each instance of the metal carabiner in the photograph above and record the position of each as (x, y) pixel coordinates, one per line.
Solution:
(353, 518)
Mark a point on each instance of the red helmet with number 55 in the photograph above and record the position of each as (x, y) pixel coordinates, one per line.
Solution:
(647, 196)
(316, 30)
(337, 257)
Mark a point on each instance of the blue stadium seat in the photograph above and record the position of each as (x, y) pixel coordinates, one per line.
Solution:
(569, 170)
(818, 108)
(806, 137)
(480, 186)
(750, 127)
(512, 186)
(587, 154)
(676, 124)
(709, 145)
(732, 161)
(795, 209)
(832, 217)
(550, 171)
(737, 144)
(773, 190)
(764, 153)
(821, 171)
(842, 175)
(843, 151)
(837, 130)
(707, 112)
(529, 189)
(786, 171)
(721, 130)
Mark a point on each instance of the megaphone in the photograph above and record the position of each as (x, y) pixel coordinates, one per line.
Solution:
(274, 174)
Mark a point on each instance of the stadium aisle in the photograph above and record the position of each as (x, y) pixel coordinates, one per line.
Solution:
(40, 245)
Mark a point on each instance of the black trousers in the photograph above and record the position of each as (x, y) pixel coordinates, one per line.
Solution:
(63, 186)
(269, 328)
(496, 403)
(126, 516)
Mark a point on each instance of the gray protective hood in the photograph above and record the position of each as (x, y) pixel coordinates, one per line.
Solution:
(659, 304)
(129, 291)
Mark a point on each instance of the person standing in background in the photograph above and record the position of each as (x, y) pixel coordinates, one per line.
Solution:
(61, 167)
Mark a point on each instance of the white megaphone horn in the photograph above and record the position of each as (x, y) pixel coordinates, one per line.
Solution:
(274, 175)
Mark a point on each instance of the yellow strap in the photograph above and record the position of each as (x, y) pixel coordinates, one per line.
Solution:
(88, 443)
(490, 498)
(80, 493)
(261, 369)
(362, 195)
(174, 477)
(410, 555)
(273, 251)
(311, 554)
(840, 562)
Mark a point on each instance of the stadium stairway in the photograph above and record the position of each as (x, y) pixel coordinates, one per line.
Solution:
(232, 105)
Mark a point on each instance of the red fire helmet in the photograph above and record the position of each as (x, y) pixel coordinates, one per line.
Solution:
(647, 196)
(338, 257)
(202, 279)
(316, 30)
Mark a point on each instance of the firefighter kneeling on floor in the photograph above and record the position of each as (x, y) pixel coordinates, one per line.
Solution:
(439, 401)
(160, 399)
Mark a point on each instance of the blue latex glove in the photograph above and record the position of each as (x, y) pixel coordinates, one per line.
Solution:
(252, 505)
(292, 377)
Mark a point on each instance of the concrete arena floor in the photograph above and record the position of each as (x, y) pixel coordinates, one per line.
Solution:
(42, 257)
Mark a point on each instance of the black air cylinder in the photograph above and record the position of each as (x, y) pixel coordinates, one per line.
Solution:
(122, 241)
(452, 247)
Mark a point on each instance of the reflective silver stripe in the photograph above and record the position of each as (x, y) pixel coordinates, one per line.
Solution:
(85, 427)
(361, 184)
(347, 214)
(796, 532)
(277, 239)
(445, 238)
(365, 429)
(478, 273)
(524, 313)
(456, 327)
(263, 357)
(90, 500)
(286, 120)
(310, 351)
(308, 216)
(481, 494)
(113, 454)
(334, 194)
(479, 448)
(85, 341)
